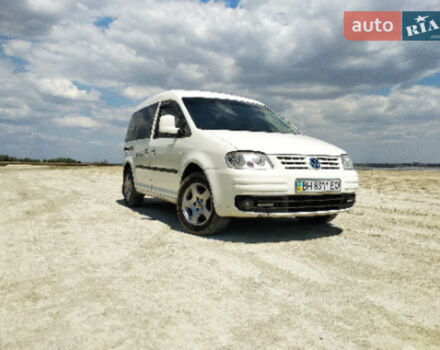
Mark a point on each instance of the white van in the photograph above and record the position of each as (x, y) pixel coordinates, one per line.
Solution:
(219, 156)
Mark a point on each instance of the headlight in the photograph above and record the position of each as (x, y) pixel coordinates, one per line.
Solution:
(248, 160)
(347, 163)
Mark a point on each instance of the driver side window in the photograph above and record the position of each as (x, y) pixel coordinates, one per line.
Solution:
(172, 107)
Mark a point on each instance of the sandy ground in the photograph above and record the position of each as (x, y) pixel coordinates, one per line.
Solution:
(79, 270)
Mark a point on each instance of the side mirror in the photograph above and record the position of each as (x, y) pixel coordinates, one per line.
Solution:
(167, 124)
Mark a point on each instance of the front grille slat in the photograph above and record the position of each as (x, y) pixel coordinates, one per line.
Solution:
(329, 163)
(298, 203)
(295, 162)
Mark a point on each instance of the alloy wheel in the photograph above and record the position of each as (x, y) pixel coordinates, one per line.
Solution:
(197, 204)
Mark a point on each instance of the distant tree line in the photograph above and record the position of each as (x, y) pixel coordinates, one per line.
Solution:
(6, 158)
(59, 160)
(397, 165)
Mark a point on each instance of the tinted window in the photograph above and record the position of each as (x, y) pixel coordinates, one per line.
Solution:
(173, 108)
(220, 114)
(141, 123)
(130, 136)
(145, 122)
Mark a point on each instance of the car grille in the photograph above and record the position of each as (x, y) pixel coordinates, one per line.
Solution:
(294, 204)
(294, 162)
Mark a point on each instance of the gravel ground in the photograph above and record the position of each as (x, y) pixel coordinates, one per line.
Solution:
(79, 270)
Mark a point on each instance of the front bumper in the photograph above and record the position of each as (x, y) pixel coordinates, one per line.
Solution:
(272, 193)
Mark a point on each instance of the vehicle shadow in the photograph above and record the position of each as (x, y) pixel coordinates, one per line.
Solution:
(257, 230)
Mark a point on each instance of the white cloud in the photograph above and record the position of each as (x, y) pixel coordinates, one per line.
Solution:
(140, 92)
(77, 121)
(262, 44)
(18, 48)
(49, 7)
(27, 98)
(65, 88)
(97, 143)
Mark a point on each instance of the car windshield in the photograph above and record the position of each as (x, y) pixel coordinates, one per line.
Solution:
(222, 114)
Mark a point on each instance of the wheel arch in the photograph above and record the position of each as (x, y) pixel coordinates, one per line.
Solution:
(199, 161)
(191, 168)
(129, 166)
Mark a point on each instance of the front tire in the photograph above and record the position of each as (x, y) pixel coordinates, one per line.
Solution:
(195, 207)
(322, 219)
(131, 197)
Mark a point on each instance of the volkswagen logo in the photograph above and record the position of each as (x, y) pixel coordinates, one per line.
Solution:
(314, 163)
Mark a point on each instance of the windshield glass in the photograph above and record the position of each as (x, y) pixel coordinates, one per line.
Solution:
(221, 114)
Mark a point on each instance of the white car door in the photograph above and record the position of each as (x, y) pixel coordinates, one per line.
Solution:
(166, 152)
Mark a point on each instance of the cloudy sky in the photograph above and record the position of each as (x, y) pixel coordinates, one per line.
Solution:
(71, 72)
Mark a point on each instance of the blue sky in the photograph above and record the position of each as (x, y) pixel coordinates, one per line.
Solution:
(228, 3)
(71, 73)
(104, 22)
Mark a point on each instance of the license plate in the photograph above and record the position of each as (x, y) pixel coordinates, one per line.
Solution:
(318, 185)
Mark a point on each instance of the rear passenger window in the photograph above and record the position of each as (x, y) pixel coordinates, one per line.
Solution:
(141, 123)
(131, 129)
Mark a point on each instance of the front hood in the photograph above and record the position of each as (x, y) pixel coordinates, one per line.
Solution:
(274, 143)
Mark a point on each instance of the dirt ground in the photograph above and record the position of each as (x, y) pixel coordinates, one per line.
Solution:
(79, 270)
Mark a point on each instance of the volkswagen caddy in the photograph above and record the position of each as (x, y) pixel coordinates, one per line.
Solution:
(219, 156)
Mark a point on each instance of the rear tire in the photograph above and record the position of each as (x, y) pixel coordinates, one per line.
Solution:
(131, 197)
(322, 219)
(195, 207)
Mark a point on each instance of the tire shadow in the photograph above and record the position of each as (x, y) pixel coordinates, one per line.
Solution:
(255, 230)
(270, 230)
(156, 209)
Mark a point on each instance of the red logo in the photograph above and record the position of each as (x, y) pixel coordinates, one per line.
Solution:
(373, 25)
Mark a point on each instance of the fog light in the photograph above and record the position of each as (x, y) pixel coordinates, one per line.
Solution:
(247, 204)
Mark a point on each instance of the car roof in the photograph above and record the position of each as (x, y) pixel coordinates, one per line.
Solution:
(178, 94)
